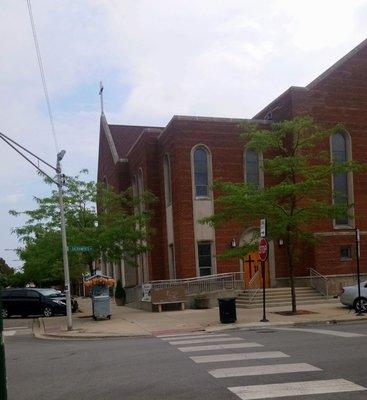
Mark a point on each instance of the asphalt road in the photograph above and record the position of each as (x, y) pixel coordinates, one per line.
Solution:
(324, 358)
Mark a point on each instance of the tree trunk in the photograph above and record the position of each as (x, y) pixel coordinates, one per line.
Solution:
(291, 277)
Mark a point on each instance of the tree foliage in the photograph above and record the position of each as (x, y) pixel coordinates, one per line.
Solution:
(298, 190)
(115, 232)
(6, 273)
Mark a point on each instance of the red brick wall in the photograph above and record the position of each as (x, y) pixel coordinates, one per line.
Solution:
(144, 156)
(340, 96)
(226, 147)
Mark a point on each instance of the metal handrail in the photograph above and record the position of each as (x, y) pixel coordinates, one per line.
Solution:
(315, 275)
(204, 284)
(252, 282)
(196, 278)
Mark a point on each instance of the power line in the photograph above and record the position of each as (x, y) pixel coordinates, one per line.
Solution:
(8, 141)
(43, 78)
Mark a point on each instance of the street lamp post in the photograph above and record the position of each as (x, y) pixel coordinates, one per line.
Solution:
(64, 242)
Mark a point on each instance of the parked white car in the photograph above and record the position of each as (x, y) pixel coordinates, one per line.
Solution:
(349, 296)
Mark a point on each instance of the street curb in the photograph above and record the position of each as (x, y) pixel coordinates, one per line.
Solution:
(39, 331)
(233, 327)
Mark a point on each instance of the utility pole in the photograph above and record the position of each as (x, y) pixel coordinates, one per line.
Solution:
(60, 156)
(3, 391)
(59, 182)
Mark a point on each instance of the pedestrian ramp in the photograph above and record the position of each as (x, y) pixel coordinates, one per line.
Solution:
(218, 350)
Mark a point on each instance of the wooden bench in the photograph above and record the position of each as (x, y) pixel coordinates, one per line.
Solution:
(160, 303)
(172, 295)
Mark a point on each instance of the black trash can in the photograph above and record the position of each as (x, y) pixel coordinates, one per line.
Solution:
(227, 310)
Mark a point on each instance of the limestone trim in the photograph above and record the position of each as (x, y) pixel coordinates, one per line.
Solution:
(350, 232)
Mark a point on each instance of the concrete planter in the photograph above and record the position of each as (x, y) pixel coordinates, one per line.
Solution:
(202, 302)
(120, 301)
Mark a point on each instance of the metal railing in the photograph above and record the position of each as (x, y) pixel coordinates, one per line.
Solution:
(254, 286)
(204, 284)
(319, 282)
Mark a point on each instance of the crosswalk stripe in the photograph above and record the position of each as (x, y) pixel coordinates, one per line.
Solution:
(8, 333)
(16, 328)
(219, 347)
(195, 337)
(271, 391)
(206, 340)
(181, 334)
(238, 356)
(262, 370)
(323, 332)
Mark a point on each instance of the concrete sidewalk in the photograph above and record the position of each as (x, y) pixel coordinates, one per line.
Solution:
(129, 322)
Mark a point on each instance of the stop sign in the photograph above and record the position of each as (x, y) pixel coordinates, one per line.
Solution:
(263, 249)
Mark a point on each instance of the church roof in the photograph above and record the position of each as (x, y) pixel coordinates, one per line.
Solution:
(121, 138)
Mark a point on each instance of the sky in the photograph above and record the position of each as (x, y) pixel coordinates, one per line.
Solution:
(156, 59)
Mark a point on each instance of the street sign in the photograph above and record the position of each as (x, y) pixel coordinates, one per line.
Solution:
(263, 228)
(263, 249)
(79, 248)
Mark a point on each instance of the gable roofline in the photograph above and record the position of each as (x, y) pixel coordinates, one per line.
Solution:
(343, 60)
(317, 80)
(145, 130)
(108, 135)
(272, 106)
(210, 119)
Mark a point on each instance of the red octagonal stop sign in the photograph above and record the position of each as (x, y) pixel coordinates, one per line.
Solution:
(263, 249)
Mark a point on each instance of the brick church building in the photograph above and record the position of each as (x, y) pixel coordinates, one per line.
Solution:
(179, 162)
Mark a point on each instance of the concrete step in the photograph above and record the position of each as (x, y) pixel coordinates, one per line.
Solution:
(284, 290)
(280, 296)
(285, 303)
(271, 293)
(280, 300)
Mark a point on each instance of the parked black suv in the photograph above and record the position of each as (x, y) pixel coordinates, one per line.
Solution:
(34, 301)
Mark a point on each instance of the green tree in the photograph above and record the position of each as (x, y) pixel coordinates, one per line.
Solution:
(300, 191)
(115, 232)
(6, 273)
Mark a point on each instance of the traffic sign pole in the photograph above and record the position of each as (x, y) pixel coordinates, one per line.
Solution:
(264, 295)
(263, 254)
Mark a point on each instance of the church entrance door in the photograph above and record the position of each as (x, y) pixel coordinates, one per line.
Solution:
(252, 271)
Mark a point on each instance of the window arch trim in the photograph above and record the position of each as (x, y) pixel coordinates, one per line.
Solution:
(209, 178)
(349, 179)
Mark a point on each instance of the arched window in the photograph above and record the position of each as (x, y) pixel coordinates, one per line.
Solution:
(252, 167)
(201, 172)
(167, 180)
(339, 146)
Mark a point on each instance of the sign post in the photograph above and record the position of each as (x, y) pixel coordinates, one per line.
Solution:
(263, 254)
(359, 312)
(263, 228)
